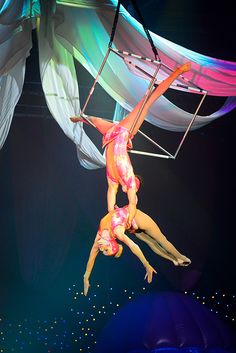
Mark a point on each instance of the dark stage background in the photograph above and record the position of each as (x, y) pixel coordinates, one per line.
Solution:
(51, 206)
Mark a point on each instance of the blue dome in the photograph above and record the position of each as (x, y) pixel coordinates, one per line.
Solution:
(166, 322)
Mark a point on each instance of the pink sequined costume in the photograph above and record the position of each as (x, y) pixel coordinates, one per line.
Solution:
(119, 218)
(119, 140)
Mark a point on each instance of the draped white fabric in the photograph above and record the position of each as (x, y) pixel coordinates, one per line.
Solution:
(15, 44)
(81, 30)
(60, 87)
(91, 29)
(10, 92)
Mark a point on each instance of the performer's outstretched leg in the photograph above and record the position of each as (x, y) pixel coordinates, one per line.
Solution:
(103, 126)
(156, 247)
(149, 227)
(129, 120)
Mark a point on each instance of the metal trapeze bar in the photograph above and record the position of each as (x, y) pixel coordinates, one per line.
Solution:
(185, 79)
(190, 124)
(169, 155)
(156, 144)
(136, 56)
(150, 154)
(134, 65)
(148, 92)
(187, 88)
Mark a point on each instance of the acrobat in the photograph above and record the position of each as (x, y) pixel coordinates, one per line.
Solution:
(117, 140)
(112, 228)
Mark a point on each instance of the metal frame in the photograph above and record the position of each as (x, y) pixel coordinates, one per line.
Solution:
(193, 88)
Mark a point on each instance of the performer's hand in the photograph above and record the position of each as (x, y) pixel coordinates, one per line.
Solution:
(131, 230)
(149, 273)
(128, 224)
(131, 224)
(132, 211)
(133, 227)
(86, 285)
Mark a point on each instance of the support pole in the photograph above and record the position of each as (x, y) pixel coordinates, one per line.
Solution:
(190, 124)
(93, 86)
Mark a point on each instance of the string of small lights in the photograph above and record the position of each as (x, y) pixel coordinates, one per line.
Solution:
(220, 303)
(78, 329)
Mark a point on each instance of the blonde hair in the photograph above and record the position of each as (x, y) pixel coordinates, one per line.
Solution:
(119, 252)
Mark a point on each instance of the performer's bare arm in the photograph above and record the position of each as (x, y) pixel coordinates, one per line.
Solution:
(131, 193)
(111, 195)
(92, 257)
(136, 251)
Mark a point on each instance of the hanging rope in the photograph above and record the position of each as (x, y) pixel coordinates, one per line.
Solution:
(114, 26)
(113, 31)
(154, 49)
